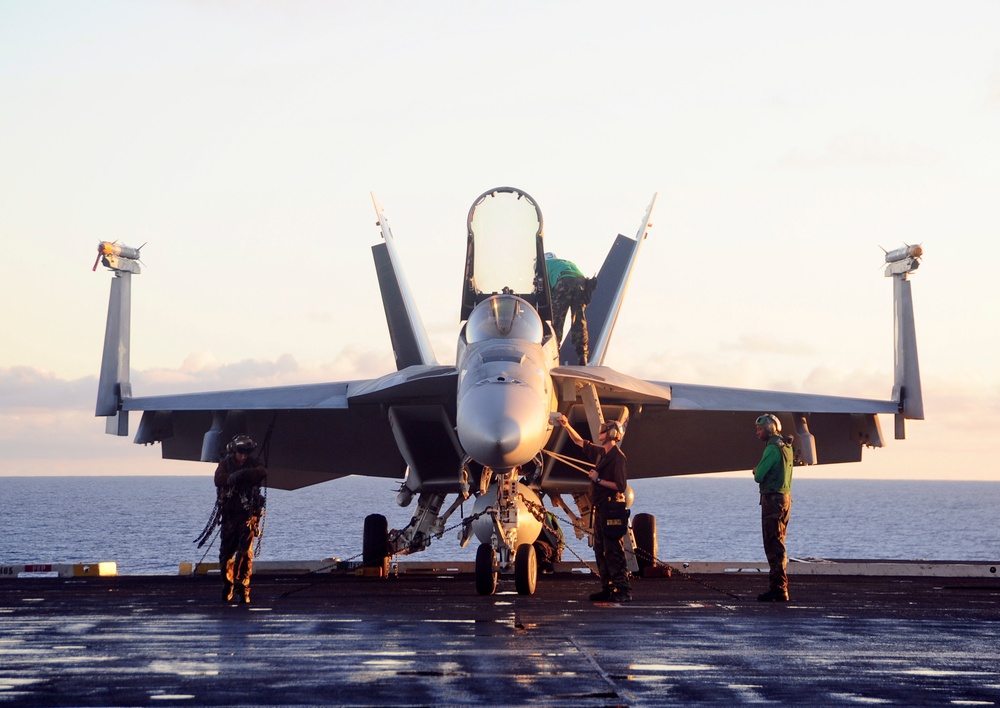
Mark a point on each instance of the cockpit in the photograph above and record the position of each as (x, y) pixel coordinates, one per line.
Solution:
(504, 317)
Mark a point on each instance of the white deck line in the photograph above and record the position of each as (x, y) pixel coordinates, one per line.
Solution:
(874, 568)
(942, 569)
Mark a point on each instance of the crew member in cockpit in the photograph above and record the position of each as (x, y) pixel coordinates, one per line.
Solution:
(570, 290)
(609, 480)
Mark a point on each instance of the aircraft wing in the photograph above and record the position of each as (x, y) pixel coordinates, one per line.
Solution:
(677, 429)
(314, 432)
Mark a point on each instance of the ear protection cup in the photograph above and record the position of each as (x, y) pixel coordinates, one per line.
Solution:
(614, 430)
(770, 423)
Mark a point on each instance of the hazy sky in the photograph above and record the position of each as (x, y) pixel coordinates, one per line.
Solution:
(240, 141)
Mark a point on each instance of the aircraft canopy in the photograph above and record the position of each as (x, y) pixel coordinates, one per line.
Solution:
(504, 317)
(504, 254)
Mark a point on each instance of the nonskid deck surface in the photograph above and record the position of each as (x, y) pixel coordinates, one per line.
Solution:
(332, 639)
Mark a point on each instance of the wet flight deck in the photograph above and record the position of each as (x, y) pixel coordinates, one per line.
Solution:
(428, 639)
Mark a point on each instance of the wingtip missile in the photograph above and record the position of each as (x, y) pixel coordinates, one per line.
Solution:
(903, 260)
(898, 254)
(118, 256)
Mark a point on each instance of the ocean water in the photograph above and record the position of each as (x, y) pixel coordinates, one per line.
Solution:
(147, 525)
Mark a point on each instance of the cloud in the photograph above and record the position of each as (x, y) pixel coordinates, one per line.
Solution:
(202, 371)
(993, 90)
(965, 409)
(25, 387)
(750, 363)
(48, 427)
(855, 382)
(860, 149)
(759, 344)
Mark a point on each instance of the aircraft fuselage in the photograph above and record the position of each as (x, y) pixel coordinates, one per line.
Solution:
(505, 391)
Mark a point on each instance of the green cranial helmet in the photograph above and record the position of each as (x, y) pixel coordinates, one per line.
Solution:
(770, 423)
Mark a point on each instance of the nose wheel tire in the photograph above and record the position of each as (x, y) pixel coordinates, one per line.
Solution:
(486, 573)
(375, 544)
(646, 544)
(525, 569)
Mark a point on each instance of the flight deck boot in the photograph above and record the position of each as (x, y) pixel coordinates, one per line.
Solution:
(603, 595)
(619, 595)
(773, 596)
(227, 580)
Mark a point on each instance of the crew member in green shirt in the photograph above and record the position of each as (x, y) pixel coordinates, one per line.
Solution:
(570, 290)
(774, 475)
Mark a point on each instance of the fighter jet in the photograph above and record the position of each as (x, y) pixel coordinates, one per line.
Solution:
(484, 428)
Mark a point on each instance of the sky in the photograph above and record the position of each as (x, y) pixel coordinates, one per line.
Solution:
(239, 143)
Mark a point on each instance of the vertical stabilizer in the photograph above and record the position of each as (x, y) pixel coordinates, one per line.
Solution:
(410, 343)
(610, 293)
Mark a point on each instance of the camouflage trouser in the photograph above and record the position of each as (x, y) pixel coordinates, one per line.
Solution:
(545, 554)
(610, 555)
(774, 512)
(569, 294)
(236, 550)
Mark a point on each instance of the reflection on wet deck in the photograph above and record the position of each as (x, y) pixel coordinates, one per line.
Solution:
(434, 641)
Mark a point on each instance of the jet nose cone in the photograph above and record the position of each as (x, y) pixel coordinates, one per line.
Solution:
(505, 437)
(502, 424)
